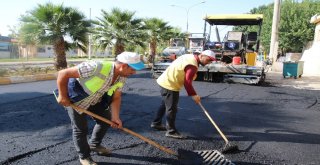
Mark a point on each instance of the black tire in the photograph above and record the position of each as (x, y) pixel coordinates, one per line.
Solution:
(155, 75)
(262, 80)
(199, 76)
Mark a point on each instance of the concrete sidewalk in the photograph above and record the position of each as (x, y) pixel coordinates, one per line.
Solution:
(28, 78)
(305, 82)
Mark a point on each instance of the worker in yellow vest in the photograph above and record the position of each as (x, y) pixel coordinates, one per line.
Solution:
(96, 86)
(180, 73)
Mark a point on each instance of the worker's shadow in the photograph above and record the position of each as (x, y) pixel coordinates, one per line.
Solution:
(145, 159)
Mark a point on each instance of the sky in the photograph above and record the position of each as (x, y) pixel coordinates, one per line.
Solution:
(175, 12)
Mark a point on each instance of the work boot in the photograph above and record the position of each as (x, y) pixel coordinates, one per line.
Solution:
(87, 161)
(158, 127)
(175, 135)
(100, 150)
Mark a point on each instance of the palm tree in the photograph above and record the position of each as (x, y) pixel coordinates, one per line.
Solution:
(52, 24)
(119, 29)
(158, 31)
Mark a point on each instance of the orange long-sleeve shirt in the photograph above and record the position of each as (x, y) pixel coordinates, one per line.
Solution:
(190, 71)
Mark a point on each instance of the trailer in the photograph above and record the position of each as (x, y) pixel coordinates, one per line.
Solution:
(195, 43)
(175, 49)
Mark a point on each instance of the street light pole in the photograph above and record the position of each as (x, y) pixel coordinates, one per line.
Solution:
(89, 50)
(187, 11)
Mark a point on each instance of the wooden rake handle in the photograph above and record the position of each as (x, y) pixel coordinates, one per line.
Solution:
(214, 124)
(167, 150)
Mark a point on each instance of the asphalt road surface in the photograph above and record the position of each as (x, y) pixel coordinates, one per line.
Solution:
(270, 124)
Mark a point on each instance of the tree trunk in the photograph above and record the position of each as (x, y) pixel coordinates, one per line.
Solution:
(59, 49)
(153, 49)
(119, 48)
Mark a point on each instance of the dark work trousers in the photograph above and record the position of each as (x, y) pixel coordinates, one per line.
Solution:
(168, 106)
(80, 129)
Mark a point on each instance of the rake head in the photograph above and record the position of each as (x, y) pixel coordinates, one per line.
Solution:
(205, 157)
(229, 148)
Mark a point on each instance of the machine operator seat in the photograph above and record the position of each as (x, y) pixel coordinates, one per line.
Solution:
(251, 40)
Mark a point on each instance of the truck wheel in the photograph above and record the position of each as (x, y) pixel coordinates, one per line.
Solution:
(155, 75)
(262, 80)
(199, 76)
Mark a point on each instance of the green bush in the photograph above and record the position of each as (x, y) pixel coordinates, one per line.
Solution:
(3, 72)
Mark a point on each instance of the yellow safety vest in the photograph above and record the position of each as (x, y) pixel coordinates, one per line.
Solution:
(93, 83)
(173, 77)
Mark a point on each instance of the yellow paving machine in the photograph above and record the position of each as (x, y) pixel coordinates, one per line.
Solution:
(237, 55)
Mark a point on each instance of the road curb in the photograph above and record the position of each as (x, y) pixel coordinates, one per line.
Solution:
(28, 78)
(33, 78)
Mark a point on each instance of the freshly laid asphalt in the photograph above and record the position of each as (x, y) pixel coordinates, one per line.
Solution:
(277, 123)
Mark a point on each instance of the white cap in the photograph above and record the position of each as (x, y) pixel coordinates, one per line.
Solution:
(132, 59)
(210, 54)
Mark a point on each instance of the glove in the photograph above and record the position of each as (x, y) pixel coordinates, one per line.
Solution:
(196, 99)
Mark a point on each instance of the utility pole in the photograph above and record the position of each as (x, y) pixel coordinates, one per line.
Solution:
(275, 31)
